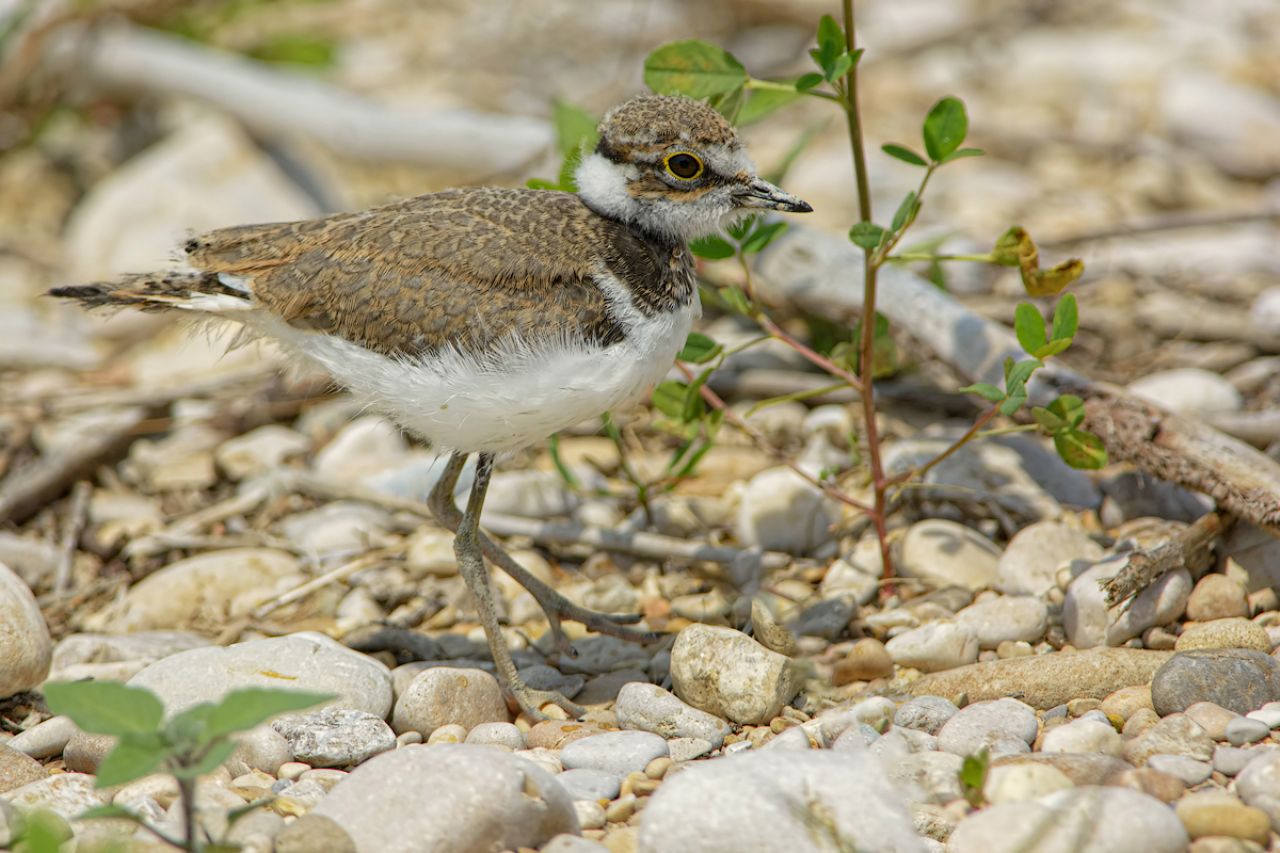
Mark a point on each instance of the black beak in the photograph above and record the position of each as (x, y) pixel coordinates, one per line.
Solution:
(760, 193)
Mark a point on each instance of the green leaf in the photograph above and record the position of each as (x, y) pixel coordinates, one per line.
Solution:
(962, 153)
(841, 66)
(241, 710)
(668, 397)
(762, 236)
(134, 756)
(1048, 420)
(762, 102)
(699, 349)
(809, 81)
(105, 707)
(984, 390)
(1066, 318)
(904, 154)
(1013, 402)
(111, 810)
(1011, 246)
(1016, 374)
(575, 127)
(713, 248)
(945, 128)
(541, 184)
(694, 405)
(1069, 408)
(737, 301)
(739, 229)
(1080, 449)
(906, 211)
(973, 776)
(1029, 326)
(729, 104)
(1051, 349)
(41, 831)
(830, 36)
(866, 235)
(209, 762)
(694, 68)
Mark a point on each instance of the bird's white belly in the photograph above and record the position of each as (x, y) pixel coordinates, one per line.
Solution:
(513, 398)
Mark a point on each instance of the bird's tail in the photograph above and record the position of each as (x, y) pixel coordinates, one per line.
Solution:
(191, 291)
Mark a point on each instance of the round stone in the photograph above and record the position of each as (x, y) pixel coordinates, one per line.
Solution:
(1176, 734)
(925, 713)
(1217, 813)
(1236, 679)
(1002, 726)
(1014, 618)
(647, 707)
(1009, 783)
(449, 797)
(335, 737)
(18, 769)
(1216, 597)
(1083, 735)
(442, 695)
(948, 553)
(1188, 771)
(934, 646)
(726, 673)
(1234, 633)
(505, 735)
(313, 833)
(27, 650)
(1030, 561)
(1089, 621)
(619, 753)
(1188, 390)
(1258, 784)
(587, 783)
(1243, 730)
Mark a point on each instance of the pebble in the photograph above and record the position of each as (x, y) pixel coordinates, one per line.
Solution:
(84, 752)
(259, 451)
(1046, 681)
(448, 733)
(934, 646)
(688, 748)
(1084, 735)
(923, 777)
(1187, 770)
(1243, 730)
(1081, 769)
(1258, 784)
(530, 493)
(575, 843)
(1011, 618)
(341, 527)
(304, 661)
(649, 708)
(1176, 734)
(449, 798)
(1217, 813)
(925, 713)
(27, 650)
(614, 752)
(1268, 713)
(46, 739)
(361, 448)
(18, 769)
(588, 783)
(1239, 680)
(228, 583)
(1009, 783)
(1124, 702)
(1233, 633)
(1003, 726)
(604, 689)
(591, 815)
(1085, 818)
(1230, 760)
(1089, 622)
(1221, 118)
(66, 794)
(773, 801)
(866, 659)
(1188, 390)
(505, 735)
(442, 695)
(1217, 596)
(726, 673)
(143, 646)
(313, 833)
(1212, 718)
(555, 734)
(335, 737)
(1165, 787)
(779, 511)
(259, 749)
(948, 553)
(848, 577)
(1030, 561)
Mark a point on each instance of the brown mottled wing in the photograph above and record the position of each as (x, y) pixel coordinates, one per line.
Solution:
(457, 267)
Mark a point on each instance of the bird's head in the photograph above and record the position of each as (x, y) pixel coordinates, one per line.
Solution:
(675, 167)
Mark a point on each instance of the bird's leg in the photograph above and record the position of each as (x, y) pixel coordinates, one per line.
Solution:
(555, 605)
(466, 545)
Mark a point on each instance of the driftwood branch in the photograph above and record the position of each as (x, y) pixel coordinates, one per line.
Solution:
(820, 273)
(1143, 568)
(277, 104)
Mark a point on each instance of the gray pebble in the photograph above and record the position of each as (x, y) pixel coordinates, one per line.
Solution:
(615, 752)
(261, 748)
(1258, 784)
(1010, 618)
(689, 748)
(1244, 730)
(1176, 734)
(586, 783)
(726, 673)
(1189, 770)
(1230, 760)
(573, 844)
(926, 713)
(314, 833)
(925, 777)
(497, 734)
(442, 695)
(1003, 726)
(335, 737)
(649, 708)
(1239, 680)
(45, 740)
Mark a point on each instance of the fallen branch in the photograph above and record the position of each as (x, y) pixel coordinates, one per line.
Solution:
(1143, 568)
(819, 273)
(278, 104)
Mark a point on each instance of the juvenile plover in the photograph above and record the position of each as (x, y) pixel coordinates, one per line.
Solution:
(483, 319)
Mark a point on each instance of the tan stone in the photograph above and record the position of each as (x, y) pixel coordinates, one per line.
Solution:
(1234, 633)
(1216, 597)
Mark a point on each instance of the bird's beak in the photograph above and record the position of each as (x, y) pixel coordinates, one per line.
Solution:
(761, 193)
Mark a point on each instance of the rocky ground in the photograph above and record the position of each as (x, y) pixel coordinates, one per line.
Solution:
(211, 524)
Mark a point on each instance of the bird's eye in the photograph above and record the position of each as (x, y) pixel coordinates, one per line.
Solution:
(683, 165)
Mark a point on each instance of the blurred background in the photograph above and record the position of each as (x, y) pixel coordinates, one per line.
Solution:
(1110, 128)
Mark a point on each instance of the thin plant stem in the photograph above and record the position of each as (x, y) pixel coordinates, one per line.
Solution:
(925, 256)
(771, 86)
(187, 793)
(854, 120)
(984, 419)
(796, 396)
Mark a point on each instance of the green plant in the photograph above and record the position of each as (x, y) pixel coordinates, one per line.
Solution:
(186, 745)
(973, 776)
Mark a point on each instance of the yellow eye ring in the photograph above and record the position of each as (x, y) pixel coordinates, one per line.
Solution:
(684, 165)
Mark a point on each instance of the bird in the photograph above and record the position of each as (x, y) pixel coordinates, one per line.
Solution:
(483, 320)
